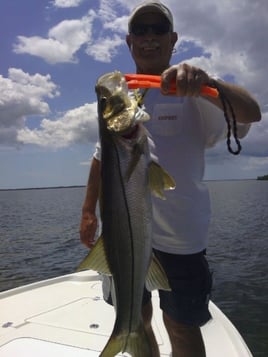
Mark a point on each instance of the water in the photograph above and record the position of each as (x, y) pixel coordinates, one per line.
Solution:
(39, 239)
(238, 254)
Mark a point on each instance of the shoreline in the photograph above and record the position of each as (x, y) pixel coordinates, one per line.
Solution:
(40, 188)
(259, 178)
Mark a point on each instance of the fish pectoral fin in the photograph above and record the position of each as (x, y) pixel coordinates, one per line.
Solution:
(96, 259)
(156, 277)
(160, 180)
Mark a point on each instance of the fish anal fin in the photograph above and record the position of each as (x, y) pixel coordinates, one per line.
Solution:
(156, 277)
(96, 259)
(160, 180)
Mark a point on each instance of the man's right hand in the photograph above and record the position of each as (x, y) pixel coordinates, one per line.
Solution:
(88, 227)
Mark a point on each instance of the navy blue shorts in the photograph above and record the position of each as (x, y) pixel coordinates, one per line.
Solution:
(191, 283)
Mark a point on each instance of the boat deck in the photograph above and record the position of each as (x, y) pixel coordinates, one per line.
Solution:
(67, 316)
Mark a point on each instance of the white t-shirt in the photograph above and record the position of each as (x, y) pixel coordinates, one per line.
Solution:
(182, 128)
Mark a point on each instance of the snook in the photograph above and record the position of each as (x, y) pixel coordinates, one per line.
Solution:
(124, 249)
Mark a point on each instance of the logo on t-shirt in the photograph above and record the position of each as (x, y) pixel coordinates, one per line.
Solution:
(167, 117)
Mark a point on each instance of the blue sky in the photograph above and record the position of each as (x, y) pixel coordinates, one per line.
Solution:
(52, 53)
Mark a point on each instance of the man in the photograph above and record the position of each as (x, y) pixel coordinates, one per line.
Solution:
(182, 127)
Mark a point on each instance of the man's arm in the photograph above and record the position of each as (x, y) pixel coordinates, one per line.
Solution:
(245, 107)
(88, 223)
(189, 81)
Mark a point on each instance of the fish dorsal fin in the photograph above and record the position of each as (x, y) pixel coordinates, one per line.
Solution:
(96, 259)
(160, 180)
(156, 277)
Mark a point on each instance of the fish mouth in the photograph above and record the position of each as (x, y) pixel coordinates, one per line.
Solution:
(118, 112)
(113, 106)
(122, 121)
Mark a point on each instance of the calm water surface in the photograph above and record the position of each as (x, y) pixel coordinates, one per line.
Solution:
(39, 239)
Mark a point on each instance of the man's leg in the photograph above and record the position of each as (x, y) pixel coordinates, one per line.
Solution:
(185, 308)
(186, 341)
(147, 313)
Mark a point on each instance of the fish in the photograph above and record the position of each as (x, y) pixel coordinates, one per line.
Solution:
(128, 178)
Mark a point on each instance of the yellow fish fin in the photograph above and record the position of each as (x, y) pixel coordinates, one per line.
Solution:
(96, 259)
(136, 343)
(160, 180)
(114, 345)
(156, 277)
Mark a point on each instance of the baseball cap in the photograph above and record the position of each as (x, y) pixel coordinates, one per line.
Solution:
(151, 6)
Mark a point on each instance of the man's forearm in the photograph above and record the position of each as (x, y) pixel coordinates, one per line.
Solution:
(93, 186)
(245, 107)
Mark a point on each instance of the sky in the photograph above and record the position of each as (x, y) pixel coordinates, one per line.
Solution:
(52, 53)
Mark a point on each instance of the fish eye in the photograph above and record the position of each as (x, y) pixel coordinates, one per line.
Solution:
(103, 103)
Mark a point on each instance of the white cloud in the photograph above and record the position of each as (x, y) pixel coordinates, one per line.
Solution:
(65, 39)
(105, 48)
(22, 95)
(67, 3)
(63, 42)
(233, 34)
(76, 126)
(256, 143)
(107, 12)
(258, 164)
(51, 50)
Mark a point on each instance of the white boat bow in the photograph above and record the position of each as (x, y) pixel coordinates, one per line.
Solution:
(67, 316)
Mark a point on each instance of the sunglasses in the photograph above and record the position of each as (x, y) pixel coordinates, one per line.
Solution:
(157, 29)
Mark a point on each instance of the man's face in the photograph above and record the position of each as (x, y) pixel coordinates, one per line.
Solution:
(151, 43)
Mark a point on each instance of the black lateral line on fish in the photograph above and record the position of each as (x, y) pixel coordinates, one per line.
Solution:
(131, 235)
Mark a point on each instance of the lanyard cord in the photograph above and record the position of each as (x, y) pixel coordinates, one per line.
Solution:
(231, 126)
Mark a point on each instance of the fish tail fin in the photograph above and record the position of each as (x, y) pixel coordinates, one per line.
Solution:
(114, 345)
(136, 343)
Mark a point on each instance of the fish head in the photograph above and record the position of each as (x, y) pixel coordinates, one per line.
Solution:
(117, 110)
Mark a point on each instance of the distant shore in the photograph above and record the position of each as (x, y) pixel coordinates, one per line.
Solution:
(40, 188)
(264, 177)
